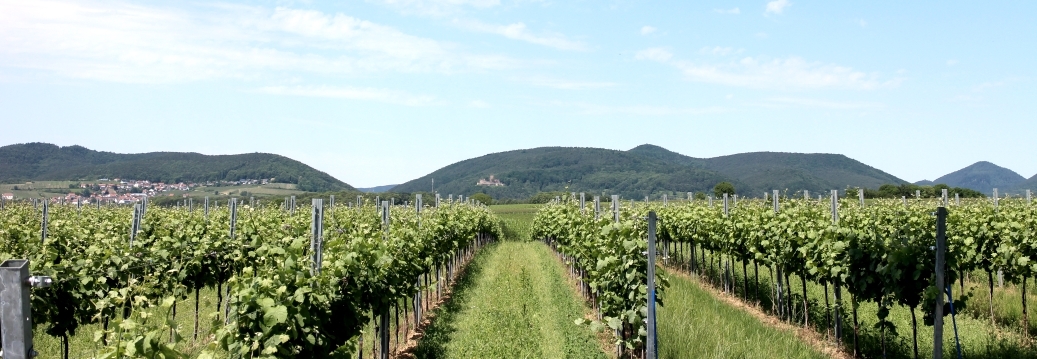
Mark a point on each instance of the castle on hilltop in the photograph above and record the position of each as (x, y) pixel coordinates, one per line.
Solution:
(490, 182)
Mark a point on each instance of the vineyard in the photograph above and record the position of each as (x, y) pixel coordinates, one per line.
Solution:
(289, 283)
(878, 254)
(356, 281)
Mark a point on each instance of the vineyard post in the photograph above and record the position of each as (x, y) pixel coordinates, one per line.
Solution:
(232, 206)
(79, 204)
(904, 198)
(292, 205)
(652, 341)
(2, 199)
(691, 197)
(775, 201)
(838, 285)
(766, 196)
(383, 325)
(136, 223)
(860, 194)
(437, 200)
(918, 194)
(16, 308)
(190, 204)
(995, 199)
(711, 201)
(206, 207)
(943, 195)
(957, 199)
(723, 276)
(583, 203)
(1028, 196)
(664, 200)
(331, 202)
(806, 194)
(359, 201)
(646, 199)
(43, 227)
(317, 235)
(941, 248)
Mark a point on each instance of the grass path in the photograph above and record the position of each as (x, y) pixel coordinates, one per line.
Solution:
(512, 302)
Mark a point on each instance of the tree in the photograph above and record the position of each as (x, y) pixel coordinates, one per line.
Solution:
(700, 195)
(723, 187)
(85, 192)
(483, 198)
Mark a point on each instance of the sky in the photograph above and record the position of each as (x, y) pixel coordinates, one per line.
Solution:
(384, 91)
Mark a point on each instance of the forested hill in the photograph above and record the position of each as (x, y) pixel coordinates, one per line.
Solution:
(646, 170)
(43, 161)
(983, 177)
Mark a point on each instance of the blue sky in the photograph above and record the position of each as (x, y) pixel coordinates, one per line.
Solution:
(384, 91)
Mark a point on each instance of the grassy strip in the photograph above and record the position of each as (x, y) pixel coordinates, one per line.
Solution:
(694, 323)
(978, 338)
(512, 302)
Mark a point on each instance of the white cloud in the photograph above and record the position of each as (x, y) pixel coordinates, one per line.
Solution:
(436, 7)
(777, 6)
(647, 30)
(563, 84)
(952, 62)
(862, 23)
(655, 54)
(518, 31)
(719, 51)
(788, 73)
(140, 44)
(638, 110)
(734, 11)
(815, 103)
(351, 93)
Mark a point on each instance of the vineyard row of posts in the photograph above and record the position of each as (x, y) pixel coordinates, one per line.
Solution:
(879, 251)
(288, 283)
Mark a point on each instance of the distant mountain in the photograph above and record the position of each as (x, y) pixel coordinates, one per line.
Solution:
(1029, 184)
(647, 170)
(983, 177)
(378, 189)
(43, 161)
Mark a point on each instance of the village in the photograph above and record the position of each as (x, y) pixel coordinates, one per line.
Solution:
(122, 191)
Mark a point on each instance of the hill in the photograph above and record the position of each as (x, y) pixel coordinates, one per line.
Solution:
(647, 170)
(43, 161)
(377, 189)
(983, 177)
(1029, 184)
(765, 171)
(592, 170)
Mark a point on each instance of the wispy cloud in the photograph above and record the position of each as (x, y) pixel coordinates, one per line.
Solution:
(734, 11)
(351, 93)
(584, 108)
(952, 62)
(543, 81)
(519, 31)
(862, 23)
(149, 44)
(436, 7)
(777, 6)
(792, 72)
(645, 30)
(719, 51)
(815, 103)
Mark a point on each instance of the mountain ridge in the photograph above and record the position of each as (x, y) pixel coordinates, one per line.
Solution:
(647, 170)
(983, 176)
(43, 161)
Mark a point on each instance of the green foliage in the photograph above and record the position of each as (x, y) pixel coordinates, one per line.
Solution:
(908, 190)
(483, 198)
(546, 197)
(723, 187)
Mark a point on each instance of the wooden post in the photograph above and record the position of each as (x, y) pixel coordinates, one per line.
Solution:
(837, 284)
(775, 201)
(384, 322)
(941, 249)
(43, 226)
(651, 342)
(316, 235)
